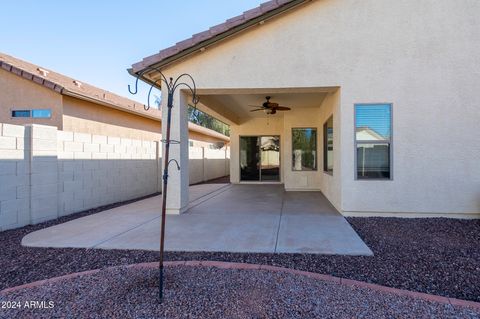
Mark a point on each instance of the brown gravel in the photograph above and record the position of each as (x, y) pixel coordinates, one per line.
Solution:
(436, 256)
(203, 292)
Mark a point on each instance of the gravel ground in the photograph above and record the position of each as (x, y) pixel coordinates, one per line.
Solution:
(201, 292)
(436, 256)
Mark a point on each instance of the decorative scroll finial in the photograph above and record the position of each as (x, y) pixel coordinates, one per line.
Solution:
(172, 85)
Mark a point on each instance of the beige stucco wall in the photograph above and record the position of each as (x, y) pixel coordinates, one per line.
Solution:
(314, 118)
(424, 57)
(18, 93)
(330, 185)
(86, 117)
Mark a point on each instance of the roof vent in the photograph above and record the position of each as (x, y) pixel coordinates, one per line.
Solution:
(43, 72)
(77, 83)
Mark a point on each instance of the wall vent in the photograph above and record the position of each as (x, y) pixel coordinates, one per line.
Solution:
(42, 71)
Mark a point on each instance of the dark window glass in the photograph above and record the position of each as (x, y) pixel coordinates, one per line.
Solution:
(42, 113)
(249, 158)
(304, 149)
(21, 113)
(328, 145)
(373, 161)
(373, 131)
(206, 120)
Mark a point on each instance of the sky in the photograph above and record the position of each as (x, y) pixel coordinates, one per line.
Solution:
(376, 117)
(96, 41)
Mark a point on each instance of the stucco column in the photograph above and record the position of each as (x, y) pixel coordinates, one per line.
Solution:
(178, 181)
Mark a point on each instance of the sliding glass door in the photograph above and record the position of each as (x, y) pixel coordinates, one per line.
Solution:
(249, 158)
(259, 158)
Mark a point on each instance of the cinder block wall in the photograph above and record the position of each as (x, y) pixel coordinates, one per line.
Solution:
(46, 173)
(97, 170)
(215, 163)
(14, 176)
(206, 164)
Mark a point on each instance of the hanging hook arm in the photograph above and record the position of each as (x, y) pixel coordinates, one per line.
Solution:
(175, 161)
(136, 86)
(193, 89)
(150, 92)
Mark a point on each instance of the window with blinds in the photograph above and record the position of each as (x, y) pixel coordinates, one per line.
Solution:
(373, 139)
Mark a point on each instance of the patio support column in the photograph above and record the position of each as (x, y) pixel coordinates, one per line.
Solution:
(178, 180)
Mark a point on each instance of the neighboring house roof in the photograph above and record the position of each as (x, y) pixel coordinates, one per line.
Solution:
(368, 134)
(72, 87)
(200, 41)
(84, 91)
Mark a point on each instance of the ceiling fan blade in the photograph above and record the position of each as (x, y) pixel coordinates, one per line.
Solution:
(257, 110)
(254, 105)
(282, 108)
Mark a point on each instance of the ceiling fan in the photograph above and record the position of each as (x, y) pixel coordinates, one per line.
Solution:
(269, 107)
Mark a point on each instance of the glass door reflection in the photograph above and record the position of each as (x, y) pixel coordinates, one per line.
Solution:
(260, 158)
(249, 155)
(270, 158)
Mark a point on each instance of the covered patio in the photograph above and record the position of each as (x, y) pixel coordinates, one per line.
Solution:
(220, 218)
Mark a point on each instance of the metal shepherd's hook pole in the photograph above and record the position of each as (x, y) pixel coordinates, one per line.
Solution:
(166, 162)
(171, 86)
(165, 187)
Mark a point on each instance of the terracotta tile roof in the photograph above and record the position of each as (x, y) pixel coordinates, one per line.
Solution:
(72, 87)
(235, 24)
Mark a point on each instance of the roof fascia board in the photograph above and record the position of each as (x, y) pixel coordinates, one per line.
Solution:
(111, 105)
(222, 36)
(206, 131)
(31, 77)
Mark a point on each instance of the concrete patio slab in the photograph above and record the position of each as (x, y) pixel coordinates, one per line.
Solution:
(227, 218)
(310, 224)
(90, 231)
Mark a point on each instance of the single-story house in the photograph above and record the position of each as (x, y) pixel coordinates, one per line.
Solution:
(31, 94)
(374, 103)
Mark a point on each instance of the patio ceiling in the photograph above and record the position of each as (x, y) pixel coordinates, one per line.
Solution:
(235, 105)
